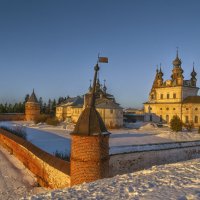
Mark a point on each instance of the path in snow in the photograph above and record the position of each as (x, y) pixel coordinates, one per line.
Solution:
(15, 180)
(179, 181)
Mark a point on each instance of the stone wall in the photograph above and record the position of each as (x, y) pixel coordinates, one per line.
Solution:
(50, 171)
(12, 117)
(134, 161)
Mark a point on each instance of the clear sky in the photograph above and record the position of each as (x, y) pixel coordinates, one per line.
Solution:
(52, 45)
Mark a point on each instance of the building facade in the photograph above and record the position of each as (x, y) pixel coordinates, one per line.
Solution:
(175, 96)
(110, 111)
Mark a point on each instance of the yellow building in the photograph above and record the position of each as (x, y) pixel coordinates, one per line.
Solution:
(110, 111)
(176, 96)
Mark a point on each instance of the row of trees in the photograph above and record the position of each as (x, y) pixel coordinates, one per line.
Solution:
(45, 107)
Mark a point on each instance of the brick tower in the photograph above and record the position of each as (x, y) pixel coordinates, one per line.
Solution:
(90, 144)
(32, 108)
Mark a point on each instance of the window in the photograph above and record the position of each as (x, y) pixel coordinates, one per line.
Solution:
(160, 108)
(152, 97)
(196, 108)
(196, 119)
(167, 108)
(174, 95)
(167, 118)
(167, 96)
(187, 109)
(186, 119)
(161, 96)
(174, 108)
(111, 111)
(160, 118)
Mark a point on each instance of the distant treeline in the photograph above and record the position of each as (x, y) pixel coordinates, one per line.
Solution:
(45, 108)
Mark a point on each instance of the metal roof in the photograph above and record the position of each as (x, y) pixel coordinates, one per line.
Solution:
(32, 98)
(192, 99)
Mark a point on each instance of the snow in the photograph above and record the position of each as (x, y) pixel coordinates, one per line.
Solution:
(140, 136)
(174, 181)
(48, 138)
(149, 133)
(15, 180)
(179, 181)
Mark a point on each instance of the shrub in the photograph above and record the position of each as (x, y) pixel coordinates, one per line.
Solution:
(62, 155)
(189, 126)
(52, 121)
(40, 119)
(17, 130)
(176, 124)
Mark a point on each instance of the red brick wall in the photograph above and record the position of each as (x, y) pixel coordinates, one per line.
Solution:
(89, 158)
(12, 117)
(50, 171)
(32, 110)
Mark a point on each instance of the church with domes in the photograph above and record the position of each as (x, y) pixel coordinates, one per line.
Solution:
(175, 96)
(111, 112)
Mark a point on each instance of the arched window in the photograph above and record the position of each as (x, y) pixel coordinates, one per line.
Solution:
(174, 95)
(167, 118)
(196, 119)
(186, 119)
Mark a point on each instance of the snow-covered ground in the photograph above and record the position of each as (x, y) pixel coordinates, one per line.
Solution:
(180, 181)
(15, 180)
(175, 181)
(52, 139)
(48, 138)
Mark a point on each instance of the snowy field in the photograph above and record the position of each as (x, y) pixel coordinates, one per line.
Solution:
(52, 139)
(15, 180)
(179, 181)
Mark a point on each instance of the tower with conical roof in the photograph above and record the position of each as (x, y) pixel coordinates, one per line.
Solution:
(32, 108)
(90, 143)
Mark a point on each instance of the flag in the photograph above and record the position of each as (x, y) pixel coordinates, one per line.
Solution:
(103, 60)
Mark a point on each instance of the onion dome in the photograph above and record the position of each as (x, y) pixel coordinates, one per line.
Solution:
(104, 87)
(160, 72)
(193, 73)
(177, 61)
(90, 87)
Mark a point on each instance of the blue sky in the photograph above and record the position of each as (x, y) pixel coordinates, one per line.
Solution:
(52, 46)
